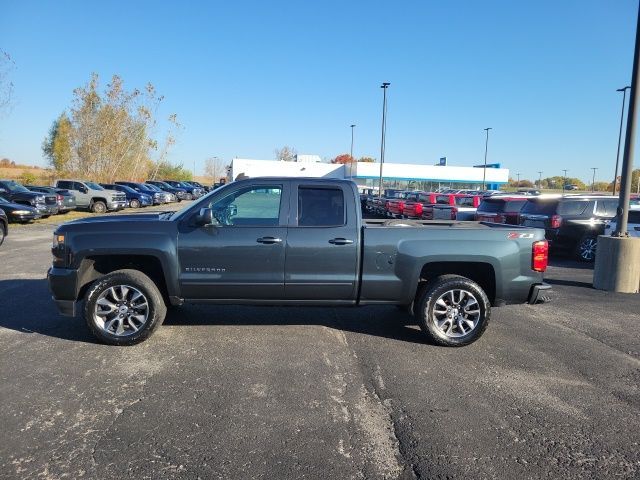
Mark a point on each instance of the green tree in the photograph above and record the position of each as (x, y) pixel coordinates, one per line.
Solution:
(57, 146)
(108, 133)
(367, 159)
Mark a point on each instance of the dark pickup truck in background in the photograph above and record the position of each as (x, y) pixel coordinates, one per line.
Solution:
(291, 241)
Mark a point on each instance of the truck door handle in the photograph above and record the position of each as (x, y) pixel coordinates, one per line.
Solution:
(340, 241)
(269, 240)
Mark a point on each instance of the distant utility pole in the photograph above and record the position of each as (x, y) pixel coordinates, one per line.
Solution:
(486, 148)
(624, 96)
(564, 181)
(352, 127)
(540, 180)
(593, 179)
(384, 87)
(518, 174)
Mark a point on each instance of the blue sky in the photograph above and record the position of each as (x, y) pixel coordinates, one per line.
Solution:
(247, 77)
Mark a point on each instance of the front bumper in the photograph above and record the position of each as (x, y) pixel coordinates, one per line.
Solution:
(23, 217)
(62, 285)
(538, 293)
(119, 205)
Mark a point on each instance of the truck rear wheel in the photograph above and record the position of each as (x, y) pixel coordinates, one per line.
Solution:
(124, 308)
(453, 311)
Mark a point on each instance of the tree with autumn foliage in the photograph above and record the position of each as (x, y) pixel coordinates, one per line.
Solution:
(343, 158)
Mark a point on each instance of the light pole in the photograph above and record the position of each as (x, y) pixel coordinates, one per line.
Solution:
(352, 127)
(518, 185)
(564, 181)
(624, 96)
(486, 148)
(539, 180)
(384, 87)
(593, 179)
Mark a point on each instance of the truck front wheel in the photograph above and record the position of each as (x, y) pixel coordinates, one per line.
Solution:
(453, 311)
(124, 308)
(98, 207)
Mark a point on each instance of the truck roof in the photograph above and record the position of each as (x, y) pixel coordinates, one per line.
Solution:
(299, 179)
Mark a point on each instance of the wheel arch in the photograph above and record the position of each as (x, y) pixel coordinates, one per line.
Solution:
(483, 273)
(93, 267)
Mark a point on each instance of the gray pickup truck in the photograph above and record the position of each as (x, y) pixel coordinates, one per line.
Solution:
(291, 241)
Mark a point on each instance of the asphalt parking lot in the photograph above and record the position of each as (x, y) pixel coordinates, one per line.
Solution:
(261, 392)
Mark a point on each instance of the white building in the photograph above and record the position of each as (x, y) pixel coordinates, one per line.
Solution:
(364, 173)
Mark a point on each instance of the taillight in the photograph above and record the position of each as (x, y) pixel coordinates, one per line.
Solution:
(418, 208)
(540, 256)
(60, 198)
(556, 221)
(454, 213)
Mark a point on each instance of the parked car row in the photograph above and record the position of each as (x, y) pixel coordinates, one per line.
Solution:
(23, 204)
(572, 222)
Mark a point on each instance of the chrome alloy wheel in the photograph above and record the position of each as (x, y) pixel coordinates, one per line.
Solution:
(587, 248)
(456, 313)
(121, 310)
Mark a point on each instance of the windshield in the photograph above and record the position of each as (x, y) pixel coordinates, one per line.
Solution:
(151, 187)
(93, 186)
(3, 200)
(15, 187)
(124, 188)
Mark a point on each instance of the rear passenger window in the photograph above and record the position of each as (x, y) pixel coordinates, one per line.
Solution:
(65, 184)
(607, 208)
(442, 200)
(464, 201)
(573, 208)
(320, 207)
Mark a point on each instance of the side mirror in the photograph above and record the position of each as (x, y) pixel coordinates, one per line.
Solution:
(204, 217)
(83, 189)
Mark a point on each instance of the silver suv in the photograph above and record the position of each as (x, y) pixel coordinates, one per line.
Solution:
(92, 196)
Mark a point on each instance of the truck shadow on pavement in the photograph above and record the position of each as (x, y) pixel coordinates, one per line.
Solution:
(26, 307)
(385, 321)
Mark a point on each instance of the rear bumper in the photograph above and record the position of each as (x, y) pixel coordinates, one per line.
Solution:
(538, 293)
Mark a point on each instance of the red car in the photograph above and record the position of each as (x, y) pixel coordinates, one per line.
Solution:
(394, 207)
(446, 199)
(501, 209)
(415, 203)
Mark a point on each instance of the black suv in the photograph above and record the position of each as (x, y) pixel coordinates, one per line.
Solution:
(571, 223)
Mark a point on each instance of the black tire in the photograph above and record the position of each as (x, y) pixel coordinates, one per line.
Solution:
(3, 232)
(132, 280)
(455, 336)
(134, 203)
(98, 207)
(586, 248)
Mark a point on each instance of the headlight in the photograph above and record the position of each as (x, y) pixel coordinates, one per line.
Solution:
(58, 240)
(20, 212)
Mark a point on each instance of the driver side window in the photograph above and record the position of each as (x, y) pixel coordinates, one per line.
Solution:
(250, 206)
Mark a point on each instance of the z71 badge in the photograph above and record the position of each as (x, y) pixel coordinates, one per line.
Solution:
(514, 235)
